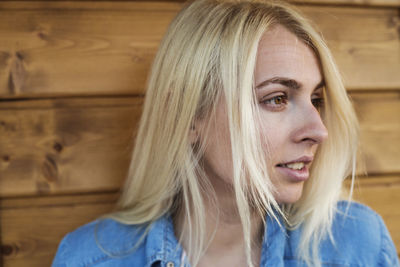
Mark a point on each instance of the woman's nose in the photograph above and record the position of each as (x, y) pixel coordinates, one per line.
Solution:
(310, 127)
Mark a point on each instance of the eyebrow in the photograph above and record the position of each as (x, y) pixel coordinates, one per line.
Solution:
(290, 83)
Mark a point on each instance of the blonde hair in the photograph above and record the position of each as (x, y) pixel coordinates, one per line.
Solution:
(208, 52)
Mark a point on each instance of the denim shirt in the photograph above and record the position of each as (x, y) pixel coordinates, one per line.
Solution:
(360, 235)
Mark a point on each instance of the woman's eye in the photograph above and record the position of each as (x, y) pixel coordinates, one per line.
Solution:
(275, 102)
(318, 103)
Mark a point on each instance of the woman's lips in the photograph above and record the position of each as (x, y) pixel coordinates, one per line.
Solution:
(295, 175)
(297, 170)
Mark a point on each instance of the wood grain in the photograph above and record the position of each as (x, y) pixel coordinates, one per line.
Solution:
(102, 48)
(35, 243)
(33, 227)
(84, 144)
(65, 145)
(365, 43)
(379, 115)
(78, 51)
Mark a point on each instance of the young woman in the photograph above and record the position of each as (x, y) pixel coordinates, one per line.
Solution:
(246, 137)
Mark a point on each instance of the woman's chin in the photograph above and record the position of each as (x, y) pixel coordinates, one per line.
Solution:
(289, 194)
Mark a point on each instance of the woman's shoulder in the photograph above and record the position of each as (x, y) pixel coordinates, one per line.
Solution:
(353, 217)
(360, 234)
(102, 241)
(355, 211)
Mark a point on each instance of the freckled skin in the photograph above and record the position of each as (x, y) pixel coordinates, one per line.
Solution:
(292, 130)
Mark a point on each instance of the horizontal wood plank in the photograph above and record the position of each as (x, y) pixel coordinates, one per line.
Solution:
(104, 48)
(52, 51)
(35, 243)
(32, 227)
(84, 144)
(380, 130)
(66, 145)
(365, 43)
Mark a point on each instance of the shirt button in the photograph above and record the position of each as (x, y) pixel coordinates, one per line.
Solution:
(170, 264)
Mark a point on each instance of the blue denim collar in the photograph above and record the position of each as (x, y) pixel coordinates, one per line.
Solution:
(162, 245)
(273, 245)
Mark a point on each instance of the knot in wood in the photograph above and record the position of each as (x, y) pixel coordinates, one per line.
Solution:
(17, 75)
(6, 250)
(57, 147)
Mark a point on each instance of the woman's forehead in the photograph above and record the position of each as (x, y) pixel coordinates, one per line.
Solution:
(282, 54)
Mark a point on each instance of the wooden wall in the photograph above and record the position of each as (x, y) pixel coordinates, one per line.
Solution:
(72, 78)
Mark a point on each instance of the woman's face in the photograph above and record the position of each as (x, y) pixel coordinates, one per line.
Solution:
(289, 91)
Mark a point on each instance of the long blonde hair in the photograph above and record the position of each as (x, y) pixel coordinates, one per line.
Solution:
(208, 52)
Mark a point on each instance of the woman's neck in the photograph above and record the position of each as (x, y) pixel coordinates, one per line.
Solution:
(224, 231)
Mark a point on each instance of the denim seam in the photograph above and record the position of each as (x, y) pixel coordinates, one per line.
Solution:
(380, 258)
(96, 260)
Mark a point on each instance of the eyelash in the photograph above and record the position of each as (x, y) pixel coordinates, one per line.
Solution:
(317, 102)
(282, 98)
